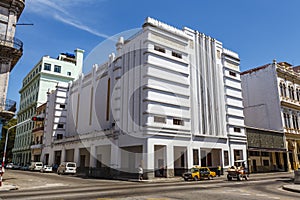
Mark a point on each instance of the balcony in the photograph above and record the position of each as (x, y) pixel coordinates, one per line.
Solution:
(7, 108)
(11, 49)
(36, 146)
(38, 129)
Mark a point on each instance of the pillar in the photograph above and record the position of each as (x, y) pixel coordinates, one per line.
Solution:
(93, 157)
(76, 156)
(170, 160)
(63, 155)
(295, 155)
(148, 160)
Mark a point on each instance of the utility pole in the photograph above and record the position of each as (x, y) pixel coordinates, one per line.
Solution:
(5, 146)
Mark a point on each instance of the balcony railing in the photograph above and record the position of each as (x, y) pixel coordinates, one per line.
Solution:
(11, 42)
(7, 105)
(38, 129)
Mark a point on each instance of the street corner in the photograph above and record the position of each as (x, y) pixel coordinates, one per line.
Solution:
(292, 187)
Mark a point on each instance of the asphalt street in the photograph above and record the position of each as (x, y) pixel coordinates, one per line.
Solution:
(53, 186)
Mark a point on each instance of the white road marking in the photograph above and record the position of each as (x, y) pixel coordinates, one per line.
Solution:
(245, 194)
(261, 195)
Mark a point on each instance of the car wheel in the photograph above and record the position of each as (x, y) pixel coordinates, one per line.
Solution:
(195, 178)
(229, 178)
(185, 179)
(239, 177)
(209, 177)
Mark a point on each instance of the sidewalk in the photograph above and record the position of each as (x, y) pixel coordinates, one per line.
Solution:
(292, 187)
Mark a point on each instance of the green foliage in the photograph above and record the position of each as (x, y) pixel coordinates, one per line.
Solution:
(11, 140)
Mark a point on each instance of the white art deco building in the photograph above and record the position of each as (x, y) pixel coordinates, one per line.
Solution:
(168, 99)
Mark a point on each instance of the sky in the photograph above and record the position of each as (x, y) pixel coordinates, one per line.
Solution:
(258, 30)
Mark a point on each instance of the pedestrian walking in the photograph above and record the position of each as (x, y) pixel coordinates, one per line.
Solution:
(219, 171)
(141, 172)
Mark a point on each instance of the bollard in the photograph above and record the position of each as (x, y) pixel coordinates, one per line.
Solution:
(297, 177)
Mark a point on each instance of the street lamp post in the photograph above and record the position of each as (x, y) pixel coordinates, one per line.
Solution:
(5, 146)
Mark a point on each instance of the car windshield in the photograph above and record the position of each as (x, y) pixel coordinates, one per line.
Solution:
(38, 164)
(194, 170)
(71, 165)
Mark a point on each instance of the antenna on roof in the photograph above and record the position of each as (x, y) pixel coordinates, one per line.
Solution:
(24, 24)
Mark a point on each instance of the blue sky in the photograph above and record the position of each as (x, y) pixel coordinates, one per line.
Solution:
(258, 30)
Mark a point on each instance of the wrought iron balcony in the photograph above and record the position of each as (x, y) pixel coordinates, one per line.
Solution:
(11, 42)
(7, 109)
(7, 105)
(11, 50)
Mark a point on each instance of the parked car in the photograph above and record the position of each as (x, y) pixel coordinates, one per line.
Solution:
(25, 167)
(9, 165)
(197, 173)
(67, 168)
(205, 172)
(16, 166)
(46, 168)
(36, 166)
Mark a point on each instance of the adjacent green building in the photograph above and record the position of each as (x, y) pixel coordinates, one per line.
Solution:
(43, 78)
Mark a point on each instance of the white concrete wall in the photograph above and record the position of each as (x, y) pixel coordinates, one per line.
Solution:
(261, 99)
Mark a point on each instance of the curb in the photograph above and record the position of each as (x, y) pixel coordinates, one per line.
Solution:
(8, 188)
(286, 187)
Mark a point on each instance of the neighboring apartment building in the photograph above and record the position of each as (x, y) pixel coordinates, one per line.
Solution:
(38, 133)
(44, 77)
(272, 104)
(169, 98)
(11, 50)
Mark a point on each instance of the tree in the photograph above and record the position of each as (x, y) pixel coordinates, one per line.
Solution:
(11, 139)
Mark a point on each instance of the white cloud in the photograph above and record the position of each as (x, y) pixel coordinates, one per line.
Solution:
(58, 9)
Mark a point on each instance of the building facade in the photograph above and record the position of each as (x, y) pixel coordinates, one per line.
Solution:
(43, 78)
(11, 50)
(272, 102)
(38, 133)
(266, 150)
(168, 99)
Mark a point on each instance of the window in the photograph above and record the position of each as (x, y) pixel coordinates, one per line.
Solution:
(177, 55)
(291, 92)
(108, 100)
(62, 105)
(57, 68)
(59, 136)
(226, 158)
(47, 67)
(282, 89)
(286, 120)
(178, 122)
(195, 157)
(159, 119)
(266, 162)
(69, 73)
(237, 130)
(298, 94)
(232, 73)
(295, 121)
(265, 154)
(160, 49)
(60, 126)
(253, 153)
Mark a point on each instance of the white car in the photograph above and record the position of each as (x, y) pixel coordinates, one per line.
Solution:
(36, 166)
(46, 168)
(67, 168)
